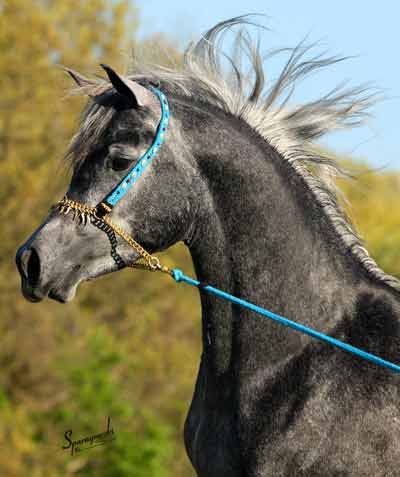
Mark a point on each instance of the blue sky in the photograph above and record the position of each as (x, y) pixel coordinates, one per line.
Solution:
(368, 30)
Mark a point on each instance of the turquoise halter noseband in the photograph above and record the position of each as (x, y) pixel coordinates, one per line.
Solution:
(99, 215)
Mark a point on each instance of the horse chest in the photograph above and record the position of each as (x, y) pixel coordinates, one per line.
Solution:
(210, 435)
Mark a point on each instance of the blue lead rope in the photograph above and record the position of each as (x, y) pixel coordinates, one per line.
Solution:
(180, 277)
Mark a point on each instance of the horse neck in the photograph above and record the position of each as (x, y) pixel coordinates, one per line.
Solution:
(260, 235)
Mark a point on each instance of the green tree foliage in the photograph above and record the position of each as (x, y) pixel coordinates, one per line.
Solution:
(128, 347)
(373, 203)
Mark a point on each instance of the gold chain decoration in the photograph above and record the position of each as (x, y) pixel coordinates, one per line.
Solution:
(85, 213)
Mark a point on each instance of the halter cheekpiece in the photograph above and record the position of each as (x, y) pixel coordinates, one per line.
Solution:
(106, 205)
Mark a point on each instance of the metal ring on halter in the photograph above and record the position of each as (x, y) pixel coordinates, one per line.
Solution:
(101, 210)
(154, 263)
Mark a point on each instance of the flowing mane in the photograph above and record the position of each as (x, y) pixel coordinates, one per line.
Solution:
(211, 76)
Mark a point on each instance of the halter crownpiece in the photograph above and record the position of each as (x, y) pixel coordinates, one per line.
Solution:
(145, 160)
(99, 215)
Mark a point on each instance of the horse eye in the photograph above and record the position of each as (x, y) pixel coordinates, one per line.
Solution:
(119, 163)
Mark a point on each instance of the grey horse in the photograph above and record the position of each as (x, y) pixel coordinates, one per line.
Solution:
(239, 183)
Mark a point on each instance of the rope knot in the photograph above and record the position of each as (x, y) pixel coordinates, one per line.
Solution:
(177, 274)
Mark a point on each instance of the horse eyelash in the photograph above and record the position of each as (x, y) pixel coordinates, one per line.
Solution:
(120, 155)
(121, 151)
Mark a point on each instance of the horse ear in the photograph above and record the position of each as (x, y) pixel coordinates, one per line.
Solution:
(79, 79)
(123, 86)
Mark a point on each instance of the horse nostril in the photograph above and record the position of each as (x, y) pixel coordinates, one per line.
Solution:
(33, 267)
(30, 265)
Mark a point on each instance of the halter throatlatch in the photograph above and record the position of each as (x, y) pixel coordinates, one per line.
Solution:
(99, 215)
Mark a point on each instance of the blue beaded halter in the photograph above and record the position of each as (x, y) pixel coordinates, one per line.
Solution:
(106, 205)
(99, 215)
